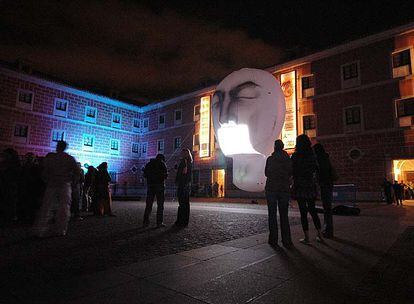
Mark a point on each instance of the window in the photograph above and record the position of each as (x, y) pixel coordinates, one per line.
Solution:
(401, 63)
(353, 115)
(21, 133)
(401, 58)
(136, 126)
(135, 149)
(177, 117)
(161, 121)
(309, 122)
(114, 146)
(196, 112)
(91, 114)
(144, 148)
(61, 107)
(353, 119)
(24, 99)
(160, 146)
(308, 86)
(145, 125)
(350, 75)
(116, 120)
(196, 142)
(88, 142)
(309, 125)
(350, 71)
(405, 107)
(177, 143)
(57, 135)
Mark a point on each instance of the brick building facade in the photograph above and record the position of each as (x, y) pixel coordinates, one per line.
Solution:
(357, 99)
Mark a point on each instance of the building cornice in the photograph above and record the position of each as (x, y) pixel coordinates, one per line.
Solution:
(68, 89)
(398, 31)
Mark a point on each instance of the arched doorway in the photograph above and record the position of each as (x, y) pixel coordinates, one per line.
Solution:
(404, 170)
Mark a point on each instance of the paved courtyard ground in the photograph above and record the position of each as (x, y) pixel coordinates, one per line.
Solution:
(222, 257)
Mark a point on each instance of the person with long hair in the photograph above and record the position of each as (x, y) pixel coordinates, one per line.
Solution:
(304, 189)
(183, 181)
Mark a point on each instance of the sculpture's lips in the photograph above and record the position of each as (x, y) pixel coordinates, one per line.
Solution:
(235, 139)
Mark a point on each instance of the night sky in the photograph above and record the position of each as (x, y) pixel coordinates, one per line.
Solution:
(160, 49)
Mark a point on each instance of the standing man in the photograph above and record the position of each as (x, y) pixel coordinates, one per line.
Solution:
(59, 172)
(278, 171)
(155, 172)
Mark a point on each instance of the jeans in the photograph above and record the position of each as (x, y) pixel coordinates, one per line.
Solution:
(278, 200)
(305, 206)
(152, 192)
(183, 195)
(326, 197)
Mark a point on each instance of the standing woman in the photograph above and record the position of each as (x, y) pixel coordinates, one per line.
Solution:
(304, 188)
(103, 196)
(183, 180)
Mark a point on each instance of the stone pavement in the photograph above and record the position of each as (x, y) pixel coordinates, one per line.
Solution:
(371, 260)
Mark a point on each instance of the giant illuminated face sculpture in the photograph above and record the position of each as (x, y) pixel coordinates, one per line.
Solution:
(248, 115)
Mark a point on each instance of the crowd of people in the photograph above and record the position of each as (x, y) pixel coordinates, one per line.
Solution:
(46, 191)
(397, 192)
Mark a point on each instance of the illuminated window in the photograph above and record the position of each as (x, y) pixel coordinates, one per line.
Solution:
(308, 89)
(401, 58)
(58, 135)
(21, 133)
(144, 149)
(90, 114)
(196, 142)
(88, 142)
(135, 149)
(116, 120)
(114, 146)
(161, 121)
(136, 126)
(160, 146)
(177, 143)
(145, 125)
(401, 63)
(196, 112)
(61, 107)
(177, 117)
(350, 75)
(24, 99)
(405, 107)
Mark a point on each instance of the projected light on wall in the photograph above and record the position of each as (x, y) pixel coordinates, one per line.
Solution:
(205, 127)
(248, 115)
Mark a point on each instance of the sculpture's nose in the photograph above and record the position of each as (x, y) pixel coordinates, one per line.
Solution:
(227, 111)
